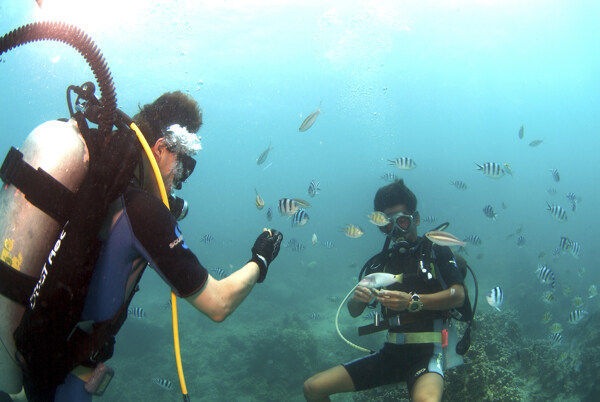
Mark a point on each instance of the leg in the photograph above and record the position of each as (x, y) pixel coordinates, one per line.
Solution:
(428, 388)
(328, 382)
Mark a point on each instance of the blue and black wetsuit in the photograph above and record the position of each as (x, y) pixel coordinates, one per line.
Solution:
(398, 363)
(141, 231)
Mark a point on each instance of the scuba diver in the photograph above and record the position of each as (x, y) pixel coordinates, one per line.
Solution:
(140, 230)
(415, 311)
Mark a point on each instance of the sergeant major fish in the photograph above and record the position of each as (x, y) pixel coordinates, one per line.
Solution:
(300, 218)
(404, 163)
(491, 169)
(310, 120)
(495, 298)
(163, 383)
(136, 312)
(353, 231)
(378, 218)
(557, 212)
(259, 202)
(313, 188)
(488, 211)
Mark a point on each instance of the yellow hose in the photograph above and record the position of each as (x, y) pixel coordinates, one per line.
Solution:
(165, 199)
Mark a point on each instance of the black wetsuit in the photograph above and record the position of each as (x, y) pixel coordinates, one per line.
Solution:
(397, 363)
(144, 231)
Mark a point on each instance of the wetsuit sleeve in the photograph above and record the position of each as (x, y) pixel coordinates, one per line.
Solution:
(162, 243)
(447, 266)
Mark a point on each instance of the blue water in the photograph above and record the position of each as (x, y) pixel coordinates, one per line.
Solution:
(447, 83)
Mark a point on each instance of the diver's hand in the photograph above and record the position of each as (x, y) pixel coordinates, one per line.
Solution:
(394, 299)
(265, 249)
(363, 294)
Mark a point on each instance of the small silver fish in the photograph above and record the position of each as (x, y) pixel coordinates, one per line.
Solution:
(310, 120)
(444, 238)
(555, 174)
(521, 132)
(535, 143)
(391, 177)
(263, 156)
(269, 214)
(380, 280)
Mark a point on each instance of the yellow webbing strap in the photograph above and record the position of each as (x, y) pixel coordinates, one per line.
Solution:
(165, 199)
(414, 337)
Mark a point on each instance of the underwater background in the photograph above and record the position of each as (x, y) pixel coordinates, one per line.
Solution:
(447, 83)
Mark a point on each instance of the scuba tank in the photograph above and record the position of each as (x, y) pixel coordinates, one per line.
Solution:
(26, 232)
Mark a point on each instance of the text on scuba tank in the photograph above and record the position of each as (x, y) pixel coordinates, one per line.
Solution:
(44, 273)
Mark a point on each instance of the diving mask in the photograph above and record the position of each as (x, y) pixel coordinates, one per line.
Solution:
(399, 224)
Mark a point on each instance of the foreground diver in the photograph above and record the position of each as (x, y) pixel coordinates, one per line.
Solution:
(413, 311)
(140, 230)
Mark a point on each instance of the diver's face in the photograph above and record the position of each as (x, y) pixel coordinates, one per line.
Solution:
(168, 164)
(402, 224)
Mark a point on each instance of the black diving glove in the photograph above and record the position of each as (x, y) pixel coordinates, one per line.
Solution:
(265, 249)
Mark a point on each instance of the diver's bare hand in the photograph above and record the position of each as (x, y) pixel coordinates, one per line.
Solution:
(363, 294)
(394, 299)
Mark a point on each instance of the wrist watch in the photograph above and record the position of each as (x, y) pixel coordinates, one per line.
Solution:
(415, 304)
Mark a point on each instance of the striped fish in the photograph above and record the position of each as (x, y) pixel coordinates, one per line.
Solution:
(378, 218)
(555, 175)
(136, 312)
(300, 218)
(391, 177)
(269, 214)
(491, 169)
(310, 120)
(473, 239)
(495, 298)
(557, 212)
(565, 244)
(520, 241)
(461, 185)
(353, 231)
(556, 338)
(545, 275)
(288, 206)
(259, 202)
(298, 247)
(327, 244)
(429, 219)
(313, 188)
(404, 163)
(207, 238)
(444, 238)
(575, 249)
(576, 316)
(488, 211)
(315, 316)
(218, 273)
(163, 383)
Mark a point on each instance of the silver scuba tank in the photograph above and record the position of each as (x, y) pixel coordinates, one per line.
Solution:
(27, 234)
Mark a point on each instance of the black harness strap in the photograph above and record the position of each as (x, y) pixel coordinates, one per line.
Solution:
(16, 285)
(38, 186)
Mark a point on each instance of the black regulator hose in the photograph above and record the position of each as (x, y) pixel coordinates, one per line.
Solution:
(75, 37)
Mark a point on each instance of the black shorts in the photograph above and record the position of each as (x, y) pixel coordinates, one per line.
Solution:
(392, 364)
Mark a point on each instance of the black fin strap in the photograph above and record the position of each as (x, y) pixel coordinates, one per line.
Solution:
(39, 187)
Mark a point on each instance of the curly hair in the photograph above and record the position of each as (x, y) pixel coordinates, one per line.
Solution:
(170, 108)
(395, 194)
